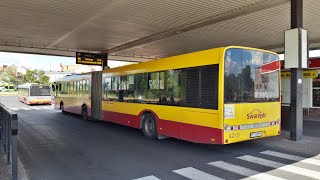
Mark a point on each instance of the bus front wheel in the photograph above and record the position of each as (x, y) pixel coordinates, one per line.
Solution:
(149, 126)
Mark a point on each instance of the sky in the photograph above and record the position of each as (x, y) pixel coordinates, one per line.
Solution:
(35, 61)
(44, 62)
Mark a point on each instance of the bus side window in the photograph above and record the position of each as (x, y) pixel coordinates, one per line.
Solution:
(113, 93)
(107, 87)
(59, 87)
(173, 87)
(141, 87)
(130, 92)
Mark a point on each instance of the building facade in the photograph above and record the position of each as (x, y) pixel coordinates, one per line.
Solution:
(311, 85)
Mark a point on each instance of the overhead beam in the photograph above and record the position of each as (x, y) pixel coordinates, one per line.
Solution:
(313, 45)
(64, 53)
(199, 24)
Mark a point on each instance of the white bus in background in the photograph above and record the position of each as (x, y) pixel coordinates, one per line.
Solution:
(32, 93)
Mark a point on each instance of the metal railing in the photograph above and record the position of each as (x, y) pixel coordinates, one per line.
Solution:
(8, 137)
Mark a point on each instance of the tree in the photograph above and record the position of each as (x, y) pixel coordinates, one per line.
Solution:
(9, 75)
(36, 76)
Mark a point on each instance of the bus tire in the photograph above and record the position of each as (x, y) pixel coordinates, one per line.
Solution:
(149, 126)
(84, 113)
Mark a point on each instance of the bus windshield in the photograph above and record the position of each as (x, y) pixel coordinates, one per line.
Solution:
(251, 76)
(40, 91)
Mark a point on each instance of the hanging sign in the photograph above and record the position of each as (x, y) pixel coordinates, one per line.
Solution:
(89, 58)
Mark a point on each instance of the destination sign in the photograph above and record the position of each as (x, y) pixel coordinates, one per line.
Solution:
(306, 74)
(89, 58)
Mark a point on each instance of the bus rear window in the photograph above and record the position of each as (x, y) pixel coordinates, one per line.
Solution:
(251, 76)
(40, 91)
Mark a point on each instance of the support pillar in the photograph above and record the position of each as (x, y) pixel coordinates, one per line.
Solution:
(105, 61)
(296, 113)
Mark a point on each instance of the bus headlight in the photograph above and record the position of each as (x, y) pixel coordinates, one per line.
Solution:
(227, 127)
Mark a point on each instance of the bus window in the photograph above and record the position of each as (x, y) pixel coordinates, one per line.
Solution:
(123, 83)
(40, 91)
(141, 86)
(156, 92)
(78, 87)
(129, 94)
(114, 83)
(85, 87)
(161, 80)
(153, 79)
(107, 87)
(173, 86)
(131, 82)
(113, 93)
(81, 87)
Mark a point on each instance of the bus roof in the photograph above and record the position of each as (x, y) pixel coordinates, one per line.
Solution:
(27, 85)
(75, 77)
(200, 58)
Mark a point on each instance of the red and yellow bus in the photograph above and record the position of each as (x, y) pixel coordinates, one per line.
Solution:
(217, 96)
(33, 93)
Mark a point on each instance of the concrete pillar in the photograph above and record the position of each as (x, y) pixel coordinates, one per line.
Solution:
(296, 114)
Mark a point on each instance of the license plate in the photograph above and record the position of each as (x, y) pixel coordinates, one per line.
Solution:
(255, 134)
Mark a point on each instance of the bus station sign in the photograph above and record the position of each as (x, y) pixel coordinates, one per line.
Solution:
(89, 58)
(306, 74)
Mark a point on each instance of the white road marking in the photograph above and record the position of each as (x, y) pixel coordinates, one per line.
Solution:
(293, 157)
(148, 178)
(243, 171)
(281, 166)
(33, 108)
(195, 174)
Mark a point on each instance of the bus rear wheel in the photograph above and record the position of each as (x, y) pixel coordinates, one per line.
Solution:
(149, 126)
(84, 113)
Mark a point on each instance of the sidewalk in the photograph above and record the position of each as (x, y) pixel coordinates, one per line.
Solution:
(312, 115)
(309, 144)
(5, 168)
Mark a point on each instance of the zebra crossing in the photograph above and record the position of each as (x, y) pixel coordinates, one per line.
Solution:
(33, 108)
(299, 166)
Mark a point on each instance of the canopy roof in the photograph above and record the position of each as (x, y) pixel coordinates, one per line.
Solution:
(140, 30)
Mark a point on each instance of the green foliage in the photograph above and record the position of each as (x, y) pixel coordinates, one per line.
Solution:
(9, 75)
(36, 76)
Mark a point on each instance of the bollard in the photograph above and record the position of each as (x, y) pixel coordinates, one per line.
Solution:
(14, 147)
(8, 138)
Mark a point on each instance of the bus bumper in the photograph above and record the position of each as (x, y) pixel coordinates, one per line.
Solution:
(39, 102)
(250, 134)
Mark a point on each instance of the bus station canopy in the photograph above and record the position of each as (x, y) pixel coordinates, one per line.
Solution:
(140, 30)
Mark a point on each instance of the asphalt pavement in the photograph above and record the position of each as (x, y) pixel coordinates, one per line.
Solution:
(53, 145)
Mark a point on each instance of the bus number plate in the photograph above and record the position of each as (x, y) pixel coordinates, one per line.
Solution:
(255, 134)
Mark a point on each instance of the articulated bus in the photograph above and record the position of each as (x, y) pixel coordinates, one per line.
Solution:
(217, 96)
(33, 93)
